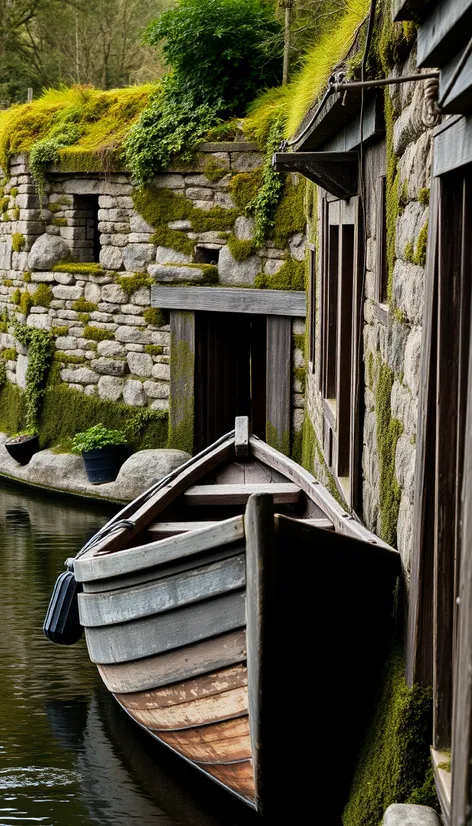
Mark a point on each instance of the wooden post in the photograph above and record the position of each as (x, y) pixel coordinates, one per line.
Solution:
(278, 393)
(182, 380)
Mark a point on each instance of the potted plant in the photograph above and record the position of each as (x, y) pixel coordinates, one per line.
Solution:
(22, 446)
(103, 452)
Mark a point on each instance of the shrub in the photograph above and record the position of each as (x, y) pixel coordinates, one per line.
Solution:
(40, 346)
(96, 437)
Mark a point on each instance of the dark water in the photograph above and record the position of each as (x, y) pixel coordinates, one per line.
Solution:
(68, 754)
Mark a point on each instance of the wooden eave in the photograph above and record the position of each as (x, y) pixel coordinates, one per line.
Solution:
(336, 172)
(340, 113)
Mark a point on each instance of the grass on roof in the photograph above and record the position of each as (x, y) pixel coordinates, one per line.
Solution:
(102, 118)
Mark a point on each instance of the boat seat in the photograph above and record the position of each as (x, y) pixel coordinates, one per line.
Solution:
(283, 493)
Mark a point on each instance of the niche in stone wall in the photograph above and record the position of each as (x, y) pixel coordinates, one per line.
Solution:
(207, 255)
(86, 237)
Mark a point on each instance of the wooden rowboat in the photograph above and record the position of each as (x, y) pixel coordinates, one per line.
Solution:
(248, 642)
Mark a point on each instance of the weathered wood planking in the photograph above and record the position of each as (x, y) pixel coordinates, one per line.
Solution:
(217, 743)
(238, 776)
(182, 381)
(443, 31)
(230, 300)
(172, 666)
(282, 493)
(343, 522)
(136, 602)
(205, 685)
(279, 379)
(198, 712)
(241, 437)
(151, 635)
(163, 529)
(159, 553)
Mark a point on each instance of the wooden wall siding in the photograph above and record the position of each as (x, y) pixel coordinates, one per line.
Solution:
(332, 311)
(356, 423)
(323, 294)
(445, 29)
(381, 272)
(278, 378)
(459, 99)
(311, 318)
(452, 145)
(182, 375)
(419, 643)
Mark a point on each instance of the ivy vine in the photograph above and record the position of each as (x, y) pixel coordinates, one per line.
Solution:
(46, 151)
(40, 344)
(3, 374)
(263, 206)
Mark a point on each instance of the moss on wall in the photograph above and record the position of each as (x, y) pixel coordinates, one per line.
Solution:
(388, 432)
(17, 241)
(281, 443)
(214, 170)
(182, 369)
(291, 276)
(98, 334)
(244, 188)
(393, 766)
(290, 213)
(240, 249)
(312, 459)
(12, 409)
(130, 283)
(77, 266)
(81, 305)
(156, 317)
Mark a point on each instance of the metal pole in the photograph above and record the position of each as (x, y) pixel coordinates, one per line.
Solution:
(384, 81)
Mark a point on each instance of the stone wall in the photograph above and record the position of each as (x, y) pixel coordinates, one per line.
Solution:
(392, 332)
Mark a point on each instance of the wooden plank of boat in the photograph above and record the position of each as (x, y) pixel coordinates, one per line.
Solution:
(237, 776)
(88, 567)
(203, 686)
(197, 712)
(172, 666)
(215, 743)
(163, 529)
(136, 602)
(163, 632)
(281, 492)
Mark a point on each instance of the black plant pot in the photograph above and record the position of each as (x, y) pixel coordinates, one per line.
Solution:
(103, 463)
(23, 448)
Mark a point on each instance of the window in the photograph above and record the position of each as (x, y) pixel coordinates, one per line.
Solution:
(381, 271)
(337, 313)
(85, 242)
(311, 316)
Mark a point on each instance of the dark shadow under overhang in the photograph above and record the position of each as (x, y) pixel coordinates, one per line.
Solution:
(337, 172)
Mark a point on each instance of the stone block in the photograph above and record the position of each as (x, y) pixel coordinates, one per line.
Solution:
(107, 202)
(111, 258)
(68, 293)
(157, 389)
(133, 335)
(273, 265)
(109, 366)
(39, 322)
(46, 251)
(110, 388)
(237, 273)
(138, 224)
(169, 272)
(61, 278)
(56, 470)
(245, 161)
(137, 237)
(407, 290)
(408, 814)
(166, 255)
(199, 194)
(82, 375)
(141, 298)
(244, 228)
(110, 349)
(161, 371)
(224, 200)
(413, 360)
(182, 225)
(92, 292)
(136, 257)
(160, 404)
(21, 368)
(405, 465)
(172, 181)
(409, 224)
(113, 294)
(66, 343)
(140, 364)
(133, 393)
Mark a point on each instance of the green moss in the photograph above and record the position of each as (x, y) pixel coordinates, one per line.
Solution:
(3, 374)
(300, 375)
(9, 354)
(409, 252)
(290, 213)
(130, 283)
(399, 315)
(76, 266)
(59, 222)
(239, 249)
(214, 219)
(67, 411)
(162, 206)
(181, 431)
(55, 208)
(13, 191)
(370, 370)
(84, 318)
(392, 204)
(16, 213)
(154, 349)
(60, 331)
(280, 443)
(156, 317)
(291, 276)
(65, 358)
(404, 195)
(421, 246)
(4, 204)
(83, 306)
(297, 446)
(12, 409)
(423, 196)
(15, 297)
(97, 334)
(313, 460)
(17, 241)
(27, 277)
(244, 188)
(7, 282)
(40, 344)
(42, 296)
(213, 170)
(299, 341)
(393, 766)
(26, 302)
(388, 432)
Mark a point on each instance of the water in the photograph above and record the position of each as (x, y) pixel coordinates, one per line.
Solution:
(68, 755)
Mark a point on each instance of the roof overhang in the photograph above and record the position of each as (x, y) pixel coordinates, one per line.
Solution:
(337, 172)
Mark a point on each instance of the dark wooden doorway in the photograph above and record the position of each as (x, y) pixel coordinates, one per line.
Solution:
(230, 374)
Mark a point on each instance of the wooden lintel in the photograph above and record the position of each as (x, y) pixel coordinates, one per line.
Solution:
(230, 300)
(336, 172)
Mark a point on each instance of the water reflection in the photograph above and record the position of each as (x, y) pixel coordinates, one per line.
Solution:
(68, 754)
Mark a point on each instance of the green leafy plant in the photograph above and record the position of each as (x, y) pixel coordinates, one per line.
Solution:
(263, 206)
(96, 437)
(3, 374)
(40, 344)
(46, 151)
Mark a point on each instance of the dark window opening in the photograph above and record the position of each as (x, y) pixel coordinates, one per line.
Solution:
(206, 255)
(381, 269)
(86, 244)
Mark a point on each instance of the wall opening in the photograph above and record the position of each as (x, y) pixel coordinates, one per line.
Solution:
(207, 255)
(86, 244)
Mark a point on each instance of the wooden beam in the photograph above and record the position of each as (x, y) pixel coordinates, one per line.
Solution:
(349, 137)
(241, 437)
(452, 145)
(282, 493)
(459, 99)
(230, 300)
(336, 172)
(278, 382)
(443, 32)
(182, 380)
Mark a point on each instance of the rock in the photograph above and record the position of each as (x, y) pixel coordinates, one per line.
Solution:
(408, 814)
(40, 322)
(169, 181)
(169, 272)
(237, 272)
(157, 389)
(109, 367)
(46, 251)
(80, 376)
(141, 298)
(56, 470)
(161, 371)
(245, 161)
(111, 258)
(133, 393)
(66, 343)
(140, 364)
(409, 224)
(113, 294)
(182, 225)
(244, 228)
(405, 465)
(165, 255)
(397, 337)
(21, 368)
(136, 257)
(224, 200)
(412, 360)
(146, 467)
(160, 404)
(297, 246)
(138, 224)
(407, 290)
(5, 253)
(68, 293)
(273, 265)
(110, 388)
(133, 335)
(415, 165)
(110, 348)
(199, 194)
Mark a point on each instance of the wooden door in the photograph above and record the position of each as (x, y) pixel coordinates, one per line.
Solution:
(230, 366)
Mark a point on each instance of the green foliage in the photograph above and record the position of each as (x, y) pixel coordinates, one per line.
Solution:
(421, 246)
(59, 331)
(67, 411)
(76, 266)
(154, 349)
(289, 216)
(214, 219)
(42, 296)
(423, 196)
(80, 305)
(46, 151)
(239, 249)
(130, 283)
(59, 222)
(213, 170)
(26, 302)
(3, 374)
(156, 317)
(17, 241)
(97, 334)
(96, 437)
(159, 207)
(218, 50)
(393, 765)
(244, 188)
(12, 408)
(27, 277)
(388, 432)
(291, 276)
(40, 344)
(13, 192)
(8, 354)
(264, 205)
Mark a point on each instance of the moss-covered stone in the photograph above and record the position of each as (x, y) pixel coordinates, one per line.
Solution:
(423, 196)
(393, 765)
(281, 443)
(17, 241)
(240, 250)
(130, 283)
(97, 334)
(154, 349)
(77, 266)
(8, 354)
(291, 276)
(244, 188)
(42, 296)
(67, 358)
(421, 246)
(83, 306)
(312, 459)
(59, 222)
(60, 331)
(156, 317)
(214, 170)
(26, 302)
(289, 216)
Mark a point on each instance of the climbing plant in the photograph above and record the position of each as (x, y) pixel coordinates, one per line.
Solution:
(40, 344)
